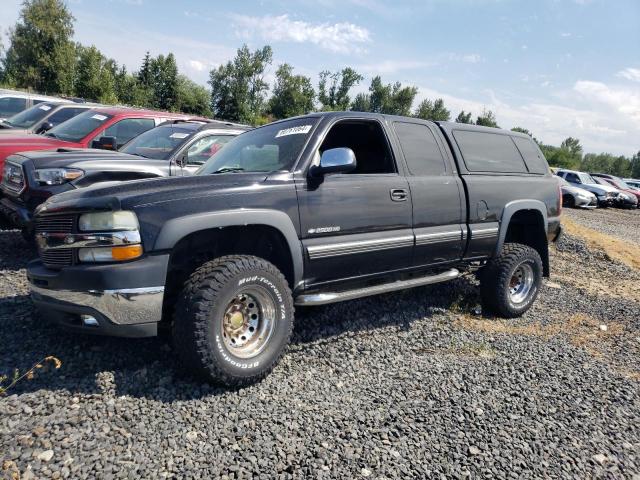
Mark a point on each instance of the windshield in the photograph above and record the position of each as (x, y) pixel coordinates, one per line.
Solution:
(618, 183)
(158, 143)
(267, 149)
(30, 116)
(79, 126)
(586, 178)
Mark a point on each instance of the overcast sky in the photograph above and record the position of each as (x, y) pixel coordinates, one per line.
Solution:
(557, 67)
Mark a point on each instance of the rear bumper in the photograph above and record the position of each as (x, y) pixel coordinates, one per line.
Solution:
(123, 300)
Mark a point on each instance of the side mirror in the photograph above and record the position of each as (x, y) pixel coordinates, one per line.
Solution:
(181, 161)
(105, 143)
(45, 127)
(335, 160)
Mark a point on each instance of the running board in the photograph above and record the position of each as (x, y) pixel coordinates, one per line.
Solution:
(333, 297)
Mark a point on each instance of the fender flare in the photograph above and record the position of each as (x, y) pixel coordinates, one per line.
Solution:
(176, 229)
(515, 206)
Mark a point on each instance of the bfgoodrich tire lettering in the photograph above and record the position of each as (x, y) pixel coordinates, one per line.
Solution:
(233, 320)
(510, 283)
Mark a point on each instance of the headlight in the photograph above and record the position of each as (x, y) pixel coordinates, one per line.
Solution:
(56, 176)
(106, 221)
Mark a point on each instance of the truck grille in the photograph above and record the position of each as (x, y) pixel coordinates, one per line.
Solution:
(56, 224)
(13, 177)
(59, 257)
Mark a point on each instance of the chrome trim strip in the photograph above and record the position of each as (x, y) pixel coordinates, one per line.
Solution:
(484, 232)
(124, 306)
(51, 241)
(437, 237)
(361, 246)
(333, 297)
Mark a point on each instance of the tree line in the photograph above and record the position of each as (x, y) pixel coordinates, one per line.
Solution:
(42, 56)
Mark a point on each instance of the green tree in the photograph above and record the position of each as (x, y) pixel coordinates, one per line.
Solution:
(435, 110)
(144, 75)
(292, 94)
(391, 99)
(635, 165)
(164, 81)
(95, 80)
(130, 91)
(487, 119)
(193, 98)
(41, 52)
(362, 103)
(559, 157)
(333, 88)
(464, 118)
(238, 88)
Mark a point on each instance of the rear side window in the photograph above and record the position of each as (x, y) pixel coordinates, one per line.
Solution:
(9, 106)
(126, 129)
(64, 114)
(489, 152)
(532, 155)
(420, 149)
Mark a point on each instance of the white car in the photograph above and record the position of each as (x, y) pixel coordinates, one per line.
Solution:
(573, 197)
(606, 194)
(12, 102)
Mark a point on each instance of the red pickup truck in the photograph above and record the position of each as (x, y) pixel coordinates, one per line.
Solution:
(107, 128)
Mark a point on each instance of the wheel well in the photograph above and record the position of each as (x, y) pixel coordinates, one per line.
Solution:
(196, 248)
(527, 227)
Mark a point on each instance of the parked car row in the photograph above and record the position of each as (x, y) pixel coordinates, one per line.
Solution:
(592, 190)
(13, 102)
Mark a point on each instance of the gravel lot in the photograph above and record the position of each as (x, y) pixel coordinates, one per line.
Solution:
(623, 224)
(416, 384)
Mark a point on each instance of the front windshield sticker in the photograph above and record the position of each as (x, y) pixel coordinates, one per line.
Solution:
(99, 117)
(46, 108)
(179, 135)
(302, 129)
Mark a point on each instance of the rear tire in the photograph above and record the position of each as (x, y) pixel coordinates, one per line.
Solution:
(510, 282)
(233, 320)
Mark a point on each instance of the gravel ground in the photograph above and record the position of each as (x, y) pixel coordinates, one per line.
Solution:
(623, 224)
(415, 384)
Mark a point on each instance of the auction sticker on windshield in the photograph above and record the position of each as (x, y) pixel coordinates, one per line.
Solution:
(99, 117)
(46, 108)
(179, 135)
(302, 129)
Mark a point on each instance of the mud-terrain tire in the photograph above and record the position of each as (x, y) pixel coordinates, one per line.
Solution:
(510, 282)
(233, 320)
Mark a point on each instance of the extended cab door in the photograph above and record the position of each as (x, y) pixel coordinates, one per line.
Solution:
(437, 194)
(356, 224)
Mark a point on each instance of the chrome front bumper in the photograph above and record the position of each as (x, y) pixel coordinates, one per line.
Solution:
(129, 306)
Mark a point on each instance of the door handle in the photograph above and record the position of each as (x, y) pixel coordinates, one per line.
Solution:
(399, 194)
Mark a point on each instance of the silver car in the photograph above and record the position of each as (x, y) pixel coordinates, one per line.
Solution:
(573, 196)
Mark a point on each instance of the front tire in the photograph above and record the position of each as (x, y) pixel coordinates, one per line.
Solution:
(510, 283)
(233, 320)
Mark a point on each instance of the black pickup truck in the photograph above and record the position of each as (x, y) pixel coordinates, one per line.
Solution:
(307, 211)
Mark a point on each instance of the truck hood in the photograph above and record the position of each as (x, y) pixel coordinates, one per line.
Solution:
(10, 144)
(76, 157)
(138, 193)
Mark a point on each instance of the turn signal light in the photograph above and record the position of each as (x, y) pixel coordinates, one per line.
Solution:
(126, 253)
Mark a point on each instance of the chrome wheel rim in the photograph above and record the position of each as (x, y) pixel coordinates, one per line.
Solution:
(521, 283)
(248, 322)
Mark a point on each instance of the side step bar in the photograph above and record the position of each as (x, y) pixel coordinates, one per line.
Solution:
(333, 297)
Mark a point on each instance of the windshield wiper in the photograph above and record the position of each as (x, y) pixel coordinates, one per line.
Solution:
(228, 170)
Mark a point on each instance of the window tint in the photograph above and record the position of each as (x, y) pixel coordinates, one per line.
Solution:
(9, 106)
(29, 117)
(368, 142)
(572, 178)
(64, 114)
(489, 152)
(77, 128)
(265, 149)
(204, 148)
(420, 149)
(532, 155)
(126, 129)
